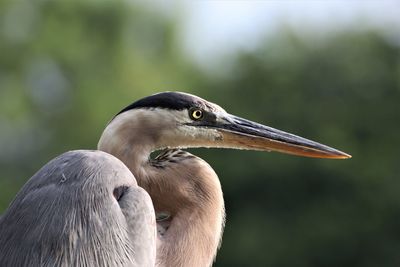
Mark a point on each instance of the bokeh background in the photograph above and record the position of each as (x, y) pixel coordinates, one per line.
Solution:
(325, 70)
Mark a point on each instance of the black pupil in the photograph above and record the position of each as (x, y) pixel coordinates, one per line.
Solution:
(197, 114)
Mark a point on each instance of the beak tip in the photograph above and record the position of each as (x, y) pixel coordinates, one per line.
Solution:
(348, 156)
(343, 155)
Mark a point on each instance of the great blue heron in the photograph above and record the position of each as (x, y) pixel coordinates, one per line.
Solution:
(85, 208)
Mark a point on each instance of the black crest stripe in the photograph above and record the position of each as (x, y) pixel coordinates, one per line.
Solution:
(168, 100)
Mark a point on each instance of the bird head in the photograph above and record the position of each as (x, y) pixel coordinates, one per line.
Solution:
(180, 120)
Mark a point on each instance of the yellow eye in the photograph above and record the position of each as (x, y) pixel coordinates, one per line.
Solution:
(196, 114)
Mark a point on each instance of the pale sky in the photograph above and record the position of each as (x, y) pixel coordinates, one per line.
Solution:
(210, 29)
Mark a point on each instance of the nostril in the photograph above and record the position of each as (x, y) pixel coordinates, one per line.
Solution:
(119, 192)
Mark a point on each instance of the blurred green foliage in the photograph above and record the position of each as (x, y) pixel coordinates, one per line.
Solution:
(66, 67)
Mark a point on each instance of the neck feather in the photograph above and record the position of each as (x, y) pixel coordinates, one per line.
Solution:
(187, 188)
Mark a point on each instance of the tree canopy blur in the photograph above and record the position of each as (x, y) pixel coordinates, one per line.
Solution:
(66, 67)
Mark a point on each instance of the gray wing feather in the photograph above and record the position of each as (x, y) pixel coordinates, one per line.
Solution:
(84, 208)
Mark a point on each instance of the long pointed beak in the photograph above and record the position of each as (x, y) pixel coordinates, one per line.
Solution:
(244, 134)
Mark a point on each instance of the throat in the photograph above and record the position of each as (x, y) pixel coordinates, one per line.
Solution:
(187, 199)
